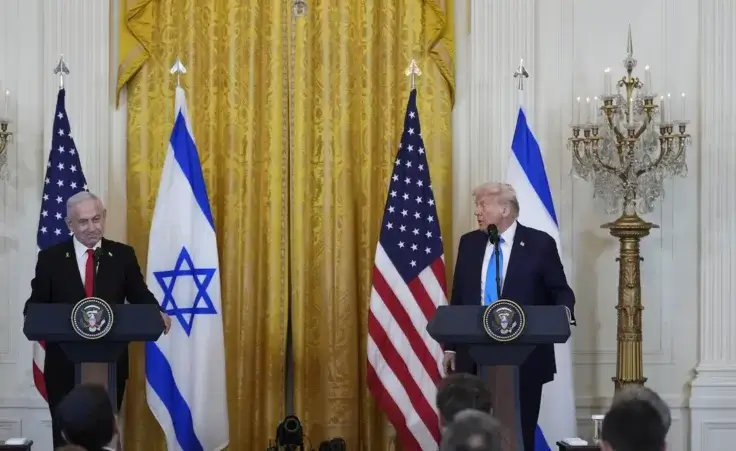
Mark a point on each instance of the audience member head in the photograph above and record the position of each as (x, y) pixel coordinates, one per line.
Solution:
(472, 430)
(633, 425)
(462, 391)
(630, 392)
(85, 417)
(70, 448)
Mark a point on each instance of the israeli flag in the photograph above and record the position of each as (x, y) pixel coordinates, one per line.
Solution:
(527, 175)
(185, 370)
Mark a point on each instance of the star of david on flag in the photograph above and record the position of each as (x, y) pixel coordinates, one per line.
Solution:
(185, 369)
(201, 277)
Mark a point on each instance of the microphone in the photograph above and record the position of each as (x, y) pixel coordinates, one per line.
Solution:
(96, 256)
(494, 238)
(493, 234)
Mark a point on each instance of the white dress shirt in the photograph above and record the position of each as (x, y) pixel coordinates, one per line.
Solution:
(505, 246)
(80, 252)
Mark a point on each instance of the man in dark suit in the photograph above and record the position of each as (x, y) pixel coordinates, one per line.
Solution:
(531, 274)
(66, 273)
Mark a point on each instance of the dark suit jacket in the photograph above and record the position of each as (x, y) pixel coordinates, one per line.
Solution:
(57, 279)
(534, 277)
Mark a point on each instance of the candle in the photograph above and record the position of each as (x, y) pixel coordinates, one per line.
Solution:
(607, 81)
(5, 104)
(596, 109)
(577, 115)
(589, 116)
(647, 81)
(668, 102)
(631, 110)
(683, 107)
(662, 117)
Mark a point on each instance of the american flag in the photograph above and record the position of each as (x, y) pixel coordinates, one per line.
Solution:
(404, 362)
(64, 178)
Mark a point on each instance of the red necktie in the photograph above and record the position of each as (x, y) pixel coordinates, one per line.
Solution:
(89, 273)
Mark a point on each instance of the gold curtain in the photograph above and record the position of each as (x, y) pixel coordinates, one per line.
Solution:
(235, 53)
(136, 35)
(350, 96)
(297, 123)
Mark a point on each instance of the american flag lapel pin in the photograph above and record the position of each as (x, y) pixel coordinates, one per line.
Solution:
(521, 243)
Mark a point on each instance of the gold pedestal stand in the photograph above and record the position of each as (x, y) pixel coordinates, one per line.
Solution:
(629, 229)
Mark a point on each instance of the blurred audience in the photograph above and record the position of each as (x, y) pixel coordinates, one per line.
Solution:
(630, 392)
(472, 430)
(633, 425)
(461, 391)
(86, 419)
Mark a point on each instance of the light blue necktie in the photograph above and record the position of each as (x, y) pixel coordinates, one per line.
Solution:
(490, 294)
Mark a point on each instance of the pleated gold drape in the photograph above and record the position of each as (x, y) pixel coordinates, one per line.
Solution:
(235, 54)
(297, 122)
(350, 98)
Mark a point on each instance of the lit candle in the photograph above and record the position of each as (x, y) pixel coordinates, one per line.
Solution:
(589, 116)
(631, 110)
(607, 81)
(5, 104)
(647, 81)
(668, 102)
(683, 107)
(578, 113)
(596, 109)
(662, 117)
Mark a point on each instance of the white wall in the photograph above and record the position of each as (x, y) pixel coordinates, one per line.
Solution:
(33, 34)
(687, 268)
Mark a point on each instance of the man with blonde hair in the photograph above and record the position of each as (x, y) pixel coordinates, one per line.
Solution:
(530, 273)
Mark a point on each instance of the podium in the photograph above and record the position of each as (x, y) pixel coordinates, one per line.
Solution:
(95, 360)
(499, 354)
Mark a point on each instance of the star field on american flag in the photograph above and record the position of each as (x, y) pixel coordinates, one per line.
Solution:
(410, 232)
(64, 178)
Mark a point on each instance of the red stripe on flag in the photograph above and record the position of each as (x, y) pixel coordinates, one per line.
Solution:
(398, 312)
(398, 365)
(38, 379)
(438, 268)
(387, 404)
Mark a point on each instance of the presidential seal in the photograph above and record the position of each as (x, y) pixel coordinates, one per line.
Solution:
(92, 318)
(504, 320)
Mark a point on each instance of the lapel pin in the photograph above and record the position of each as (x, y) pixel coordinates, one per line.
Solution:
(110, 254)
(67, 255)
(521, 243)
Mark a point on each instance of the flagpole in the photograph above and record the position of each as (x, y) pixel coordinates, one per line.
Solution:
(61, 69)
(178, 69)
(413, 72)
(520, 75)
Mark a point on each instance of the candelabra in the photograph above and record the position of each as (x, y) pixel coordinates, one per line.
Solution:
(626, 147)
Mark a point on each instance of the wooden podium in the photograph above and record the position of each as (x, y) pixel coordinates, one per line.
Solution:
(499, 353)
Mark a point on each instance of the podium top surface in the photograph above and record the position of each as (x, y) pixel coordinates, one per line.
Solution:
(463, 324)
(132, 322)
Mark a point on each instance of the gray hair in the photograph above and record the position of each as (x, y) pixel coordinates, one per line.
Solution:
(505, 193)
(641, 393)
(78, 198)
(472, 430)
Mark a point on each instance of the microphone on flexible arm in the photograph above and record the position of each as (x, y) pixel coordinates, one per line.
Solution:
(495, 238)
(96, 256)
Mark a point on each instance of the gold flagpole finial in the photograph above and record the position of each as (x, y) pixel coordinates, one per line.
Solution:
(178, 69)
(413, 71)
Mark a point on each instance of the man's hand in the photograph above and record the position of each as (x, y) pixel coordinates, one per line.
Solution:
(167, 322)
(448, 363)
